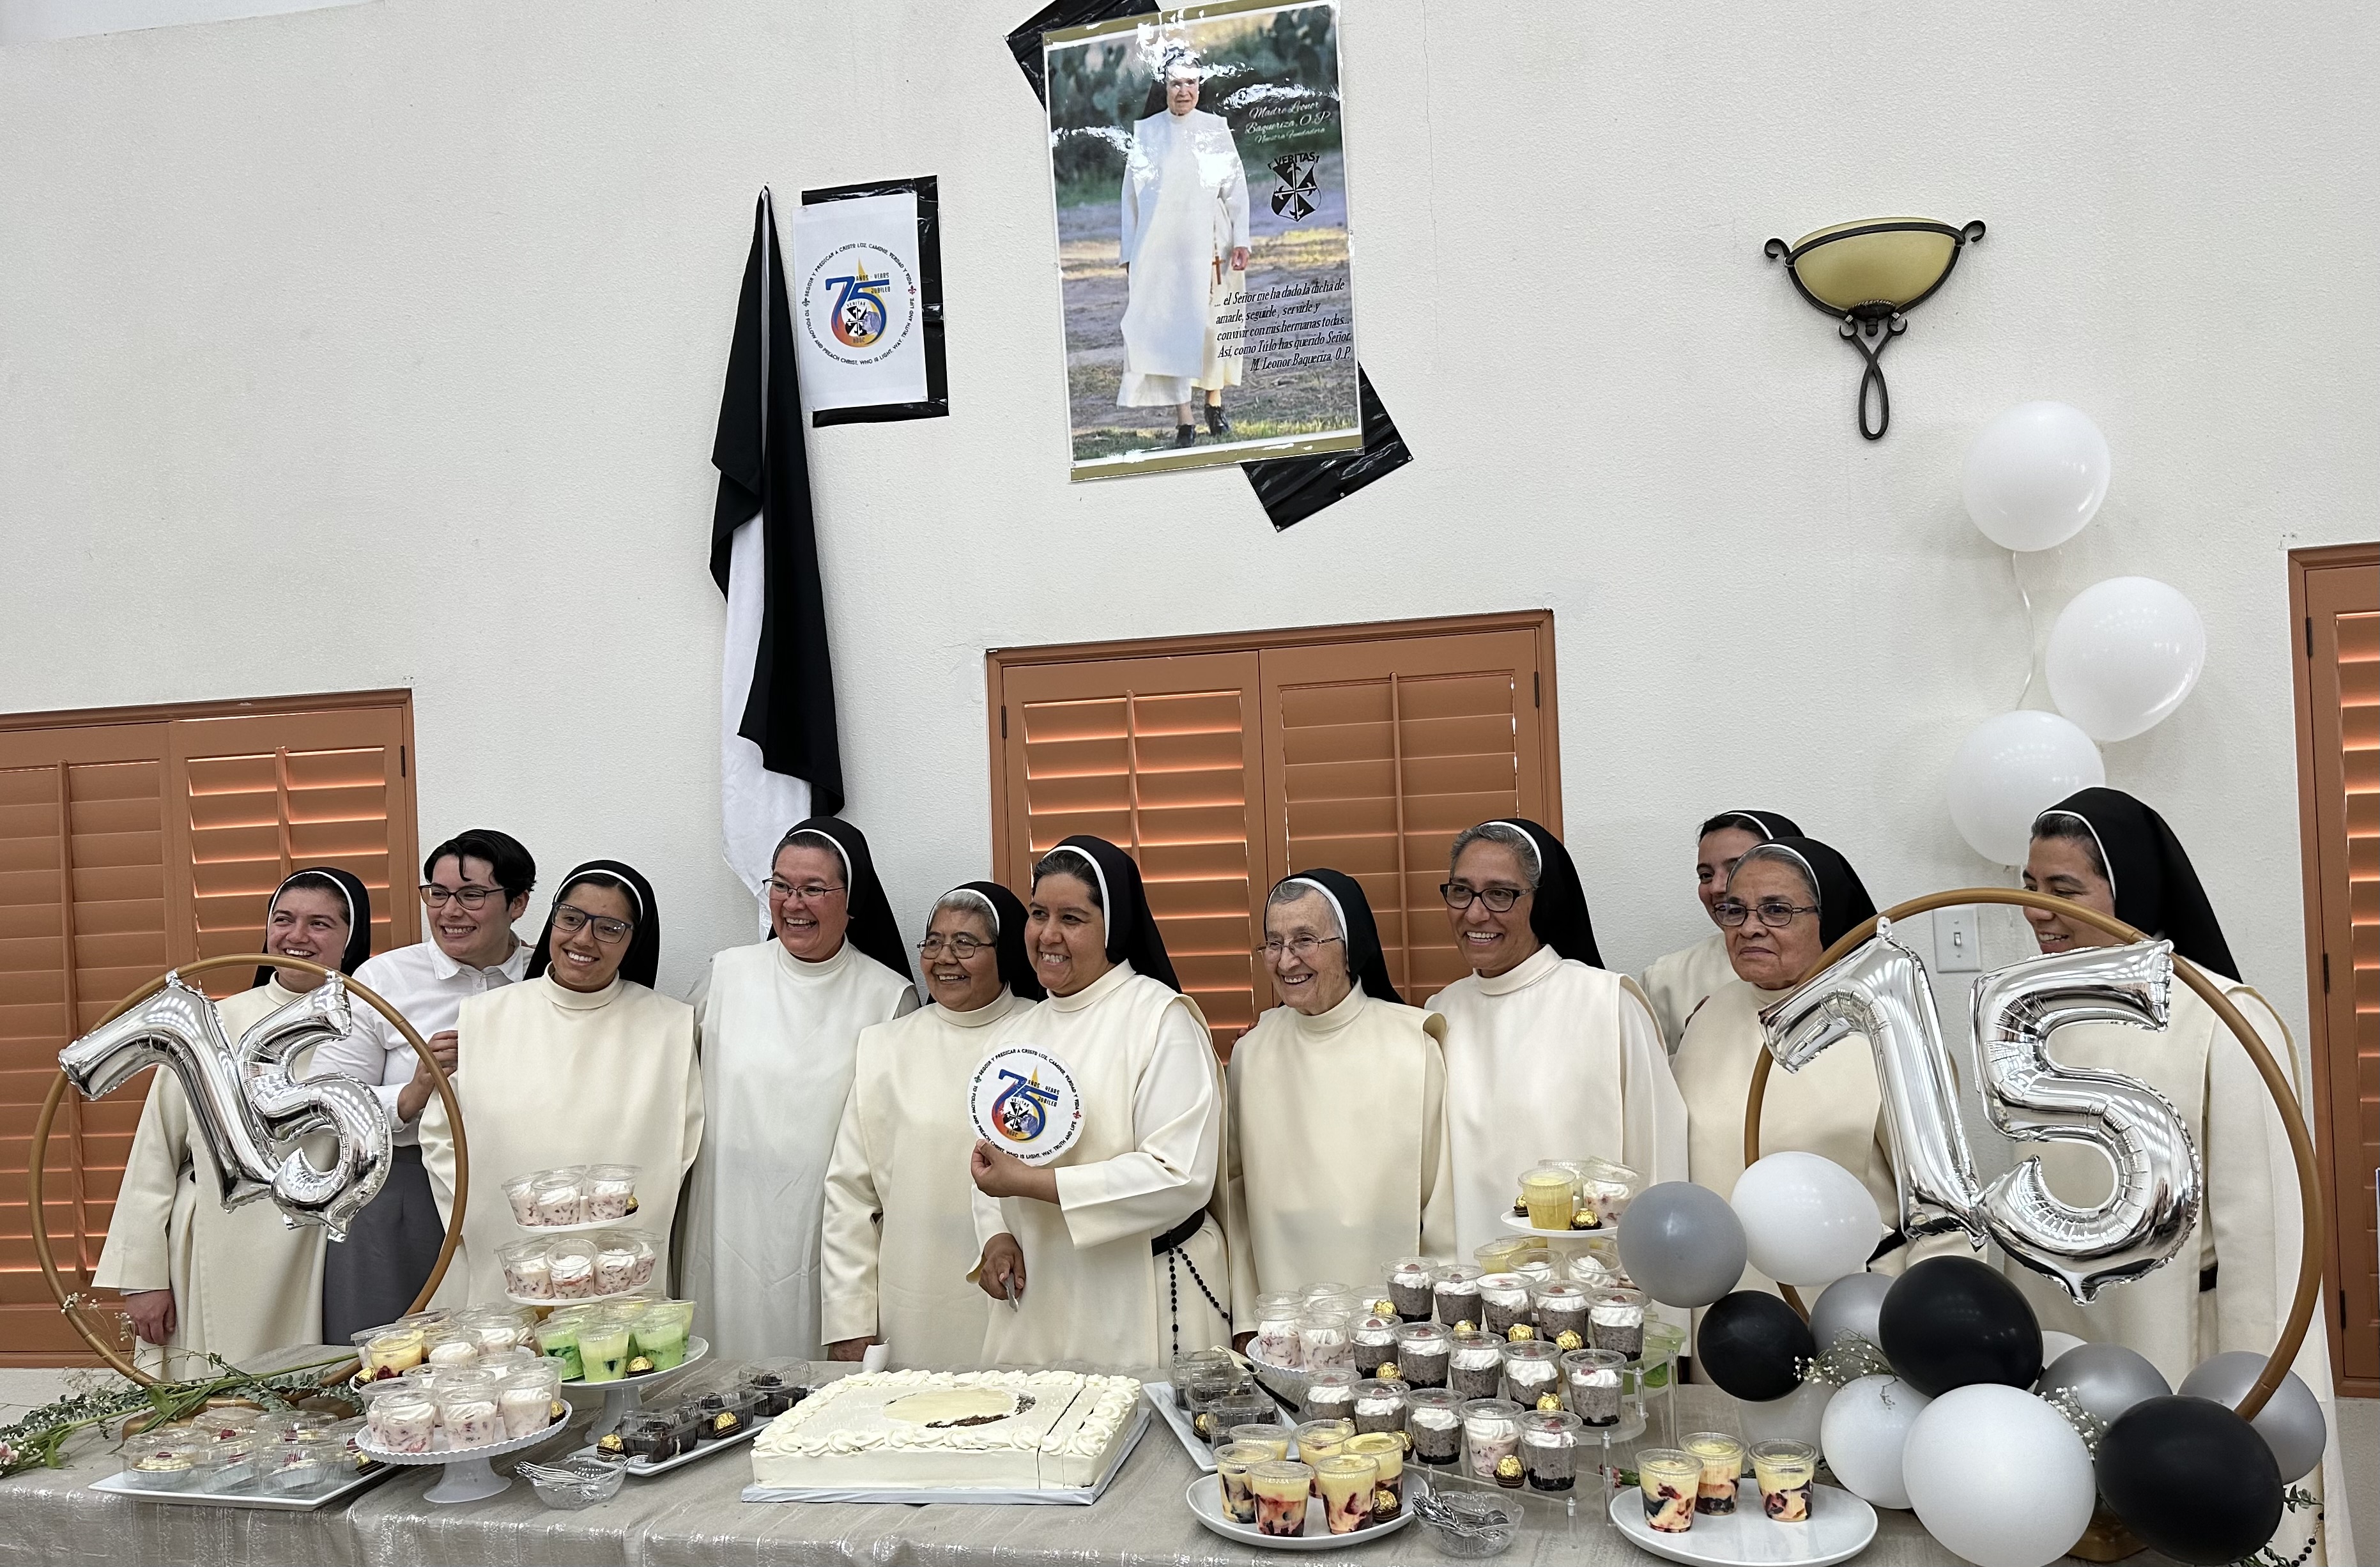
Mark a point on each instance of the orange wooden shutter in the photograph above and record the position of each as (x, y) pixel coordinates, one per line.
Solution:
(1160, 757)
(1379, 752)
(2340, 737)
(82, 920)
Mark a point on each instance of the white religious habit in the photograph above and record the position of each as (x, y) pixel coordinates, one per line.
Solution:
(1338, 1147)
(1185, 209)
(243, 1280)
(1143, 1168)
(428, 988)
(1677, 983)
(779, 1037)
(1551, 1058)
(898, 1239)
(552, 1077)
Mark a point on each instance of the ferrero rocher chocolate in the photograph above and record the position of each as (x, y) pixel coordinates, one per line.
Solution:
(639, 1365)
(1508, 1470)
(726, 1423)
(1467, 1326)
(1384, 1504)
(611, 1444)
(1568, 1340)
(1549, 1404)
(1388, 1371)
(1384, 1309)
(1521, 1333)
(1585, 1219)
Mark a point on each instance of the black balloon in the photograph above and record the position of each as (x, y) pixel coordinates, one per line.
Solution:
(2191, 1478)
(1752, 1344)
(1951, 1321)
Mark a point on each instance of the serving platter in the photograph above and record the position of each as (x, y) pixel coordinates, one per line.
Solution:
(119, 1485)
(642, 1469)
(1518, 1223)
(1177, 1420)
(1839, 1527)
(1205, 1499)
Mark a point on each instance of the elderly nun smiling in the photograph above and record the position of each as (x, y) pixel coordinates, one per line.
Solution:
(1337, 1105)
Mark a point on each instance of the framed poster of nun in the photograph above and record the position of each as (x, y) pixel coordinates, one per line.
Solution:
(1199, 174)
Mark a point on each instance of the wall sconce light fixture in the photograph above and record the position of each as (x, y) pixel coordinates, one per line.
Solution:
(1869, 275)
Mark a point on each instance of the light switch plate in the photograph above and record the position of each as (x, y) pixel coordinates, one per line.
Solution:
(1958, 940)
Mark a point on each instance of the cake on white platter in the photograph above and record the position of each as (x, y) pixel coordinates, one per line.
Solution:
(932, 1430)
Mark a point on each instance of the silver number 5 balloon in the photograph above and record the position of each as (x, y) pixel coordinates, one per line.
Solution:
(251, 1112)
(1880, 989)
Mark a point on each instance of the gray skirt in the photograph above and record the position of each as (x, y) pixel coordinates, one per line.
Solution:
(371, 1277)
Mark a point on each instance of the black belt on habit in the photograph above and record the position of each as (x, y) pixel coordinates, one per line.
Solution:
(1173, 1239)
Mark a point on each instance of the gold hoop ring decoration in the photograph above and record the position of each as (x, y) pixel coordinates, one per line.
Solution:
(108, 1352)
(2276, 1083)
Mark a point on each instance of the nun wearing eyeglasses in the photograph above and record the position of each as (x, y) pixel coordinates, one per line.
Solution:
(581, 1063)
(899, 1240)
(1549, 1054)
(1112, 1252)
(1677, 982)
(1338, 1107)
(781, 1021)
(1786, 902)
(199, 1278)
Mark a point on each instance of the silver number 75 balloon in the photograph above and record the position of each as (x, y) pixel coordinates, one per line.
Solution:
(252, 1114)
(1880, 989)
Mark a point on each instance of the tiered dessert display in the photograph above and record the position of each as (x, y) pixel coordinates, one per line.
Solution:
(942, 1435)
(457, 1389)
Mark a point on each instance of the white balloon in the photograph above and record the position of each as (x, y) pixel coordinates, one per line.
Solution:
(2055, 1343)
(1798, 1416)
(2010, 769)
(1862, 1432)
(1807, 1221)
(2035, 474)
(2123, 655)
(1999, 1477)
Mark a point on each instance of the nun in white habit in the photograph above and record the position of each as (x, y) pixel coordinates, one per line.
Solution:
(199, 1278)
(899, 1241)
(1549, 1054)
(581, 1063)
(1338, 1107)
(1113, 1253)
(1677, 982)
(780, 1024)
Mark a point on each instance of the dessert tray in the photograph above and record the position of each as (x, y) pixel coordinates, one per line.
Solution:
(1206, 1502)
(554, 1303)
(468, 1477)
(1078, 1496)
(119, 1485)
(642, 1468)
(1839, 1527)
(583, 1227)
(1518, 1223)
(1177, 1420)
(1287, 1386)
(628, 1392)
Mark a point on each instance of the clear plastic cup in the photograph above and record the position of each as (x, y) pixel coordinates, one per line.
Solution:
(623, 1262)
(1560, 1307)
(570, 1264)
(452, 1349)
(1533, 1262)
(468, 1410)
(1346, 1482)
(557, 1340)
(526, 1397)
(1532, 1371)
(1454, 1291)
(1615, 1321)
(1250, 1405)
(1379, 1405)
(404, 1419)
(1269, 1435)
(1722, 1460)
(496, 1327)
(520, 1191)
(1387, 1451)
(1591, 1385)
(164, 1462)
(1785, 1471)
(1550, 1449)
(1551, 1193)
(1374, 1339)
(1282, 1488)
(1409, 1286)
(659, 1334)
(1319, 1440)
(526, 1277)
(1495, 1256)
(1233, 1462)
(1276, 1340)
(1325, 1342)
(603, 1346)
(392, 1351)
(1434, 1425)
(1329, 1395)
(557, 1199)
(1474, 1368)
(1503, 1302)
(1670, 1478)
(1491, 1433)
(611, 1190)
(1422, 1351)
(1327, 1290)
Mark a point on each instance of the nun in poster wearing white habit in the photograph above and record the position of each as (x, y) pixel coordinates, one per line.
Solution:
(198, 1278)
(1112, 1253)
(1677, 982)
(1338, 1107)
(581, 1063)
(1549, 1054)
(899, 1241)
(1787, 901)
(1185, 251)
(781, 1021)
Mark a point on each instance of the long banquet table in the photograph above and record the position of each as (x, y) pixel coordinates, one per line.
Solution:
(695, 1516)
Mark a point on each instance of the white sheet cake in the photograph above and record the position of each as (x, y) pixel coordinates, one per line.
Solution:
(917, 1430)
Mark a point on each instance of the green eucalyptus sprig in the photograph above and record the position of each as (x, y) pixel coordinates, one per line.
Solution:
(39, 1440)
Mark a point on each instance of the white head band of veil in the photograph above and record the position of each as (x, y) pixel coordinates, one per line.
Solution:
(345, 896)
(1105, 907)
(840, 851)
(974, 899)
(2098, 842)
(1774, 850)
(1327, 897)
(614, 878)
(1537, 856)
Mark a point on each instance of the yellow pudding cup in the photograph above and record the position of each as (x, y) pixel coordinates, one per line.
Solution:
(1670, 1478)
(1784, 1471)
(1551, 1194)
(1387, 1451)
(1723, 1459)
(1281, 1488)
(1346, 1485)
(1233, 1461)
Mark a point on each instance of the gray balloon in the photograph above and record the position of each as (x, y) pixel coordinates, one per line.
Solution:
(2290, 1422)
(2106, 1379)
(1851, 1305)
(1682, 1244)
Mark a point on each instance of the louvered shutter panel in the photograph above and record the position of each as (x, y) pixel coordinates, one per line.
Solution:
(1379, 752)
(2344, 750)
(82, 920)
(1161, 757)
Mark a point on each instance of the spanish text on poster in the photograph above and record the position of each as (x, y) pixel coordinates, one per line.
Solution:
(867, 300)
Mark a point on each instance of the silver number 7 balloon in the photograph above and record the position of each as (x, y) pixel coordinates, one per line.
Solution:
(253, 1115)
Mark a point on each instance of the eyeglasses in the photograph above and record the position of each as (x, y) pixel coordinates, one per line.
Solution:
(570, 919)
(961, 947)
(808, 892)
(437, 897)
(1775, 913)
(1500, 899)
(1299, 947)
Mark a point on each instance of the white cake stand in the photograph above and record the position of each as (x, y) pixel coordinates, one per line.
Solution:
(621, 1398)
(469, 1477)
